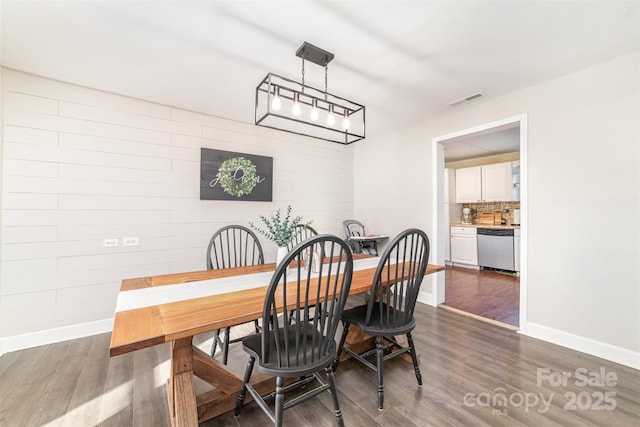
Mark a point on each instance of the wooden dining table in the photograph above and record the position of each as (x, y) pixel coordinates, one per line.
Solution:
(173, 308)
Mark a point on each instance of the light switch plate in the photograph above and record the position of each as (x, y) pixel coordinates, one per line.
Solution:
(130, 241)
(109, 243)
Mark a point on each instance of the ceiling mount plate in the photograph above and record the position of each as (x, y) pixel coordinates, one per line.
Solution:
(314, 54)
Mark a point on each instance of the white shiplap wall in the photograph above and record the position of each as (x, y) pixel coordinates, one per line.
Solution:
(81, 165)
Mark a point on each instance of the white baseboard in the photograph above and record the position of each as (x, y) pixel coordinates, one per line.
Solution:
(50, 336)
(586, 345)
(469, 266)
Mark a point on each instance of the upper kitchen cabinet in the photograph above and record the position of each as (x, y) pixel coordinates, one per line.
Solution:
(496, 182)
(469, 185)
(487, 183)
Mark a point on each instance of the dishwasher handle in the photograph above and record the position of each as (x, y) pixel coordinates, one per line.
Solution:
(495, 231)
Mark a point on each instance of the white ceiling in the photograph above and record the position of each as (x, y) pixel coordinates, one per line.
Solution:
(505, 139)
(404, 60)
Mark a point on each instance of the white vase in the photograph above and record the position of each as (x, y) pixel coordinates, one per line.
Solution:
(282, 252)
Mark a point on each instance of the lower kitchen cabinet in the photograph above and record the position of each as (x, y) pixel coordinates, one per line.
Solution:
(464, 245)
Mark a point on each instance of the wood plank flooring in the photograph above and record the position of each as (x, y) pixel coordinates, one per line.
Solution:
(474, 373)
(485, 293)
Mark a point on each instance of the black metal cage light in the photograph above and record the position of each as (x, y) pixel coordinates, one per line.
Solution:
(287, 105)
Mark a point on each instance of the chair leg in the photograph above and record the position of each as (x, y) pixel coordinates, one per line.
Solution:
(336, 360)
(334, 396)
(256, 326)
(279, 404)
(416, 367)
(379, 360)
(216, 340)
(225, 350)
(245, 380)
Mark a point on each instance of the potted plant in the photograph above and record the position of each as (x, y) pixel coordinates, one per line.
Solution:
(280, 230)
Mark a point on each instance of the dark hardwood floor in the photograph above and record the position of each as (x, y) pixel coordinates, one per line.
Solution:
(487, 294)
(474, 374)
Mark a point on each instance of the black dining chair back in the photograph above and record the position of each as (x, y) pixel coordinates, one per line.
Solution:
(303, 232)
(397, 281)
(389, 312)
(301, 313)
(232, 246)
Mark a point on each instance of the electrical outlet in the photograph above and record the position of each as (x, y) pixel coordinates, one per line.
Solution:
(130, 241)
(109, 243)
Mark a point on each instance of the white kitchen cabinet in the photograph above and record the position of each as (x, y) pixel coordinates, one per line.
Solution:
(487, 183)
(469, 185)
(515, 180)
(497, 182)
(464, 245)
(452, 210)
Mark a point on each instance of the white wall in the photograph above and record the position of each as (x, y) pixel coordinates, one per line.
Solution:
(584, 199)
(82, 165)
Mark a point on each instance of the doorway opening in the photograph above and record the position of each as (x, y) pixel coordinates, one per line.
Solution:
(504, 295)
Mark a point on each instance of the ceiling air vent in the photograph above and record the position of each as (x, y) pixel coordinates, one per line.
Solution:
(463, 100)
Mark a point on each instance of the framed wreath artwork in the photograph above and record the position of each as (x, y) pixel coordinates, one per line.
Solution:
(226, 175)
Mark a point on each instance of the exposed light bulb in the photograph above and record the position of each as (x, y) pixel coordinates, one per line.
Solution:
(276, 104)
(346, 122)
(331, 119)
(296, 110)
(314, 110)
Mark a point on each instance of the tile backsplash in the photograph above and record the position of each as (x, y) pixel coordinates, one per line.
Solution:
(479, 208)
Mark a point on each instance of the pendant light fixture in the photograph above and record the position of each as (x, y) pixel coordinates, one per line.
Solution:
(331, 117)
(346, 123)
(287, 105)
(296, 110)
(315, 113)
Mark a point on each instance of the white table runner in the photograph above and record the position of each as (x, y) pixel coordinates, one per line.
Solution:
(147, 297)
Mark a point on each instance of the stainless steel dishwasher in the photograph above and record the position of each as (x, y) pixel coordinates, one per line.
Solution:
(495, 248)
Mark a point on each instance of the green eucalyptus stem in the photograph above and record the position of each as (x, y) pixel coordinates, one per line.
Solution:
(280, 231)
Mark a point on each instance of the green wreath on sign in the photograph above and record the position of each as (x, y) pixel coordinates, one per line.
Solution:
(238, 176)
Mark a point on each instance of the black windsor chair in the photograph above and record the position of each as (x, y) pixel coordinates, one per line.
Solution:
(232, 246)
(389, 312)
(317, 270)
(303, 232)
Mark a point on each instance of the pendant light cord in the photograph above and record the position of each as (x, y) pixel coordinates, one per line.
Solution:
(326, 73)
(303, 72)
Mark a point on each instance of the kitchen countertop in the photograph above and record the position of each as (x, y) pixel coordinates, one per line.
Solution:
(514, 227)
